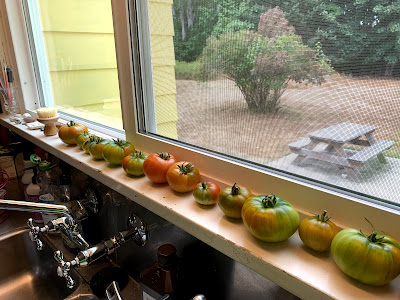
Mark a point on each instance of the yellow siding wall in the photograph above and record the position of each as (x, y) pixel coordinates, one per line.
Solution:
(163, 59)
(79, 39)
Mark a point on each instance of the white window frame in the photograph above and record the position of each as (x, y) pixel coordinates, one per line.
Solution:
(348, 210)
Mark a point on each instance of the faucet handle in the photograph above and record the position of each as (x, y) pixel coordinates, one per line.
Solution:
(34, 234)
(64, 268)
(78, 239)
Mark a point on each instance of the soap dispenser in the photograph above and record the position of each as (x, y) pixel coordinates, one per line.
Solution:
(33, 191)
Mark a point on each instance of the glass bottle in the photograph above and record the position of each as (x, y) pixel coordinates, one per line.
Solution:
(162, 277)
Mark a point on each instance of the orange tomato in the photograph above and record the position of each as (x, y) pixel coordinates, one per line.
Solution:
(183, 176)
(70, 131)
(317, 232)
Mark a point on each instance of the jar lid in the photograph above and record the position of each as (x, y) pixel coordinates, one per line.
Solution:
(166, 255)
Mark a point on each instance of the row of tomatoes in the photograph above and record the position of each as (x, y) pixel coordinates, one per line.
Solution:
(373, 259)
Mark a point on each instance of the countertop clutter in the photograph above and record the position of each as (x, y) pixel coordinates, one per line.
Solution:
(290, 264)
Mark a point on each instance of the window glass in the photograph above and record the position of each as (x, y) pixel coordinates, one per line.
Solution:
(310, 88)
(74, 50)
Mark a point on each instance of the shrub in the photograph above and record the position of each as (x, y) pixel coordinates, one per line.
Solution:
(261, 64)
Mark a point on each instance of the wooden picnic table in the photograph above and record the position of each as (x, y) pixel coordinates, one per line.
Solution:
(334, 138)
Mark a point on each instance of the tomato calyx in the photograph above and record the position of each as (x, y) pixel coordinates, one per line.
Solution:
(184, 169)
(203, 185)
(235, 190)
(323, 217)
(269, 201)
(86, 133)
(137, 154)
(71, 123)
(164, 155)
(372, 237)
(119, 142)
(98, 140)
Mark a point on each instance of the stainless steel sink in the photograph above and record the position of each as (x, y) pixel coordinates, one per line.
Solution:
(26, 273)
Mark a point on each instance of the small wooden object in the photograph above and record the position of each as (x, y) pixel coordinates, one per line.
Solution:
(49, 125)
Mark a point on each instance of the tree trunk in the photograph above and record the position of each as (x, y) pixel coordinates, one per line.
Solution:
(182, 19)
(389, 70)
(190, 16)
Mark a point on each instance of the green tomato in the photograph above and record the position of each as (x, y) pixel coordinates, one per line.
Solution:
(82, 138)
(96, 148)
(270, 218)
(133, 163)
(231, 200)
(87, 143)
(115, 151)
(373, 259)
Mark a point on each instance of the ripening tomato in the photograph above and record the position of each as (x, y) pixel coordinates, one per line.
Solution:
(87, 143)
(183, 176)
(317, 232)
(133, 163)
(156, 166)
(115, 151)
(83, 137)
(96, 148)
(231, 200)
(270, 218)
(206, 193)
(70, 131)
(373, 259)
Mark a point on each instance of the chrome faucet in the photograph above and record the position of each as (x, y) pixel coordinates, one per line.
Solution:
(136, 231)
(66, 223)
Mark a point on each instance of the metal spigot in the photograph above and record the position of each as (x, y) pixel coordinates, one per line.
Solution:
(64, 268)
(34, 234)
(136, 231)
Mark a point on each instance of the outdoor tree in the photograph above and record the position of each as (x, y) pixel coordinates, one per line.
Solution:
(359, 36)
(262, 63)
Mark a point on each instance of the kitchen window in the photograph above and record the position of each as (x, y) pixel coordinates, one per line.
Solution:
(279, 85)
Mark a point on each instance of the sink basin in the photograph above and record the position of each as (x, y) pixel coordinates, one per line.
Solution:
(26, 273)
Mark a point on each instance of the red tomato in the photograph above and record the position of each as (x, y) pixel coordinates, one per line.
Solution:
(183, 176)
(156, 166)
(206, 193)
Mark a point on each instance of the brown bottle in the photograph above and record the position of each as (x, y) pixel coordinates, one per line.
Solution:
(162, 277)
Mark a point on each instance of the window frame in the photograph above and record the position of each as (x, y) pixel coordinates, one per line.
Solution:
(348, 210)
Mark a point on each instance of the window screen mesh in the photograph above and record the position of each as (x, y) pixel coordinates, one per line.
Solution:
(249, 78)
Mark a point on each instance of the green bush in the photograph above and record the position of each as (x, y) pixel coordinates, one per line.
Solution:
(262, 63)
(187, 71)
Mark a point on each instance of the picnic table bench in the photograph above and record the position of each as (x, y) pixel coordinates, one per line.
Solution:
(334, 138)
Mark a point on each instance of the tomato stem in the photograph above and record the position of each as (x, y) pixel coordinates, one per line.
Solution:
(323, 217)
(235, 190)
(372, 237)
(269, 201)
(203, 185)
(184, 169)
(164, 155)
(70, 123)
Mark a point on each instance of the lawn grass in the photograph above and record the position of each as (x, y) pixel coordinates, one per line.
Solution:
(187, 71)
